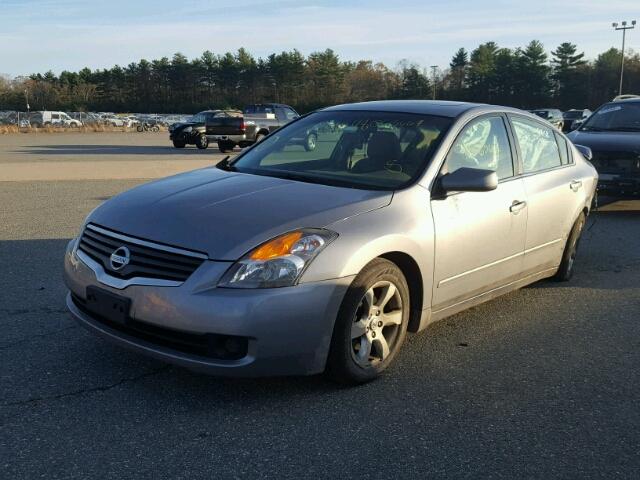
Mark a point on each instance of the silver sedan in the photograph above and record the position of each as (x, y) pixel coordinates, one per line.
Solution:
(289, 261)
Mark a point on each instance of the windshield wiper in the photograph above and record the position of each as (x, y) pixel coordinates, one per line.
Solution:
(225, 165)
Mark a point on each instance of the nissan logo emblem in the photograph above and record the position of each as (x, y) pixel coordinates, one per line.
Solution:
(120, 258)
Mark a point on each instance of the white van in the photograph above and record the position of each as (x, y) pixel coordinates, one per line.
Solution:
(47, 117)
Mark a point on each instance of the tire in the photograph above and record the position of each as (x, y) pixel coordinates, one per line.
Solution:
(202, 142)
(140, 128)
(178, 144)
(311, 142)
(259, 137)
(225, 147)
(565, 271)
(363, 311)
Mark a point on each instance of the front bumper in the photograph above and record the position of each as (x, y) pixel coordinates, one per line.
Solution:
(288, 329)
(619, 184)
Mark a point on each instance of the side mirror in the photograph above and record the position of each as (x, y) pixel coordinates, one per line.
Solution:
(585, 151)
(469, 180)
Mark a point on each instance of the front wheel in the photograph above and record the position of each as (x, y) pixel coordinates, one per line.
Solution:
(202, 142)
(565, 271)
(178, 144)
(371, 324)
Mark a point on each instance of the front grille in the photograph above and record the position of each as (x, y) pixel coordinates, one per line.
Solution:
(210, 345)
(616, 162)
(148, 260)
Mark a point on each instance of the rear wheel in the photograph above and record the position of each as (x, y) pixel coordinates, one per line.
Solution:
(259, 137)
(202, 142)
(225, 147)
(565, 271)
(371, 324)
(178, 144)
(310, 142)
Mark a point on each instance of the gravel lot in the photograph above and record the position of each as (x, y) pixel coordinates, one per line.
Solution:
(540, 383)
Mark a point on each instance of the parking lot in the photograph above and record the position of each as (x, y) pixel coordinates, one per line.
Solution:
(541, 383)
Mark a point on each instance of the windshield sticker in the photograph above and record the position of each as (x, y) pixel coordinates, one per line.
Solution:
(609, 109)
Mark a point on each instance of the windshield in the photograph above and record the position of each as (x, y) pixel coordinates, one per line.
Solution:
(615, 117)
(369, 150)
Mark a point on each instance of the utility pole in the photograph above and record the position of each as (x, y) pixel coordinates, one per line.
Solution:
(624, 27)
(434, 68)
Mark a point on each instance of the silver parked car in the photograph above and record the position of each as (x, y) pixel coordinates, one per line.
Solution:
(293, 261)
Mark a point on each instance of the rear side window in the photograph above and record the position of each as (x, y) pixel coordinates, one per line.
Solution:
(482, 144)
(290, 114)
(538, 146)
(565, 153)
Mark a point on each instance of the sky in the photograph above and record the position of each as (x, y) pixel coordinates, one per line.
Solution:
(41, 35)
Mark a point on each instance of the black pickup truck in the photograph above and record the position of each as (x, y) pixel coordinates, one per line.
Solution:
(231, 128)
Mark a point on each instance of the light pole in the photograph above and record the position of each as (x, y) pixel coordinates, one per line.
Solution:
(624, 27)
(433, 75)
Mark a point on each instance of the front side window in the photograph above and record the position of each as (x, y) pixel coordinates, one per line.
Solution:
(538, 147)
(357, 149)
(482, 144)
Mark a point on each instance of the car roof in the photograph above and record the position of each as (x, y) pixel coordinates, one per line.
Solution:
(624, 100)
(442, 108)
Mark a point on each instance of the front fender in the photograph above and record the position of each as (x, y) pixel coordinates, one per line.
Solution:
(405, 226)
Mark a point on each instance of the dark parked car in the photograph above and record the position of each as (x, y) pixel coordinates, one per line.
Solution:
(231, 128)
(551, 115)
(256, 122)
(612, 133)
(205, 126)
(574, 118)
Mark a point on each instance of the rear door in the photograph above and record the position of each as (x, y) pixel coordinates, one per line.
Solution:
(552, 191)
(480, 236)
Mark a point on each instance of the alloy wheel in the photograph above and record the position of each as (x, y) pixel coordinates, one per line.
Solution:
(376, 326)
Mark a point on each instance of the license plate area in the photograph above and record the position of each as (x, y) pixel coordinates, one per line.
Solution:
(107, 305)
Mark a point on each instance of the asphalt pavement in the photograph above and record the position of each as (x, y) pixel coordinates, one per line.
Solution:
(541, 383)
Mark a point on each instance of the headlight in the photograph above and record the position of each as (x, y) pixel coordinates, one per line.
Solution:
(188, 129)
(279, 262)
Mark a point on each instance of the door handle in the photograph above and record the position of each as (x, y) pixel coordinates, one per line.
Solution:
(516, 206)
(575, 185)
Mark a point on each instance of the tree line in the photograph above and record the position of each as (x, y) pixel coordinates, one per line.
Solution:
(525, 77)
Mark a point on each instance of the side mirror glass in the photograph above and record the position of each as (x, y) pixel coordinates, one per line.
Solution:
(585, 151)
(469, 180)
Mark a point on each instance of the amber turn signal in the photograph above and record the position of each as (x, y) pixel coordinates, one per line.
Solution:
(277, 247)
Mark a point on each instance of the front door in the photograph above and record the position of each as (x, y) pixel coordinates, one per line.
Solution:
(480, 236)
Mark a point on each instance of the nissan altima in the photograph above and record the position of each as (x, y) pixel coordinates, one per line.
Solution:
(288, 261)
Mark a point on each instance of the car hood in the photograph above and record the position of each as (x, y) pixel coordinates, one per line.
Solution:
(607, 141)
(226, 214)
